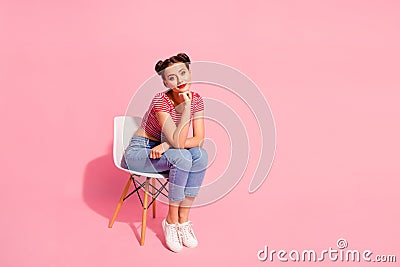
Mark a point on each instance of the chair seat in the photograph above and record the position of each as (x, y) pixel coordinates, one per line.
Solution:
(159, 175)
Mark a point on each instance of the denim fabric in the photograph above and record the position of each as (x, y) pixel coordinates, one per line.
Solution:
(187, 167)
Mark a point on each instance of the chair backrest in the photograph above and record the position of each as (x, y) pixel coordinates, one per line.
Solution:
(124, 128)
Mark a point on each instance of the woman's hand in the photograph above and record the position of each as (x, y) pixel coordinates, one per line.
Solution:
(157, 151)
(187, 96)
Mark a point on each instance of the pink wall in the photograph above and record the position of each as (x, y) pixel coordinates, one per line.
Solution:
(329, 70)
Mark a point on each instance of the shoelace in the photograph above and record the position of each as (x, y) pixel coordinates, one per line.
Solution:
(176, 235)
(187, 231)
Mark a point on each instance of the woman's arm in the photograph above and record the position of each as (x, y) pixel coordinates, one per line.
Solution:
(195, 141)
(198, 131)
(176, 135)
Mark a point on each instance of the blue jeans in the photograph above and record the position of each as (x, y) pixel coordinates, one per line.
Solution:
(187, 167)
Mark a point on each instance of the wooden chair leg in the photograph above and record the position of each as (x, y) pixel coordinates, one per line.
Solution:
(154, 200)
(144, 215)
(121, 200)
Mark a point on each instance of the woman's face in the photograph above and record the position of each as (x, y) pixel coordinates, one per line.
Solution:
(177, 77)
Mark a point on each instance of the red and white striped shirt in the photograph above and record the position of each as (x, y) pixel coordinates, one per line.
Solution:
(161, 102)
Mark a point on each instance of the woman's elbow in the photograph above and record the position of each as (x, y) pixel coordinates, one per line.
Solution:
(181, 144)
(178, 144)
(201, 142)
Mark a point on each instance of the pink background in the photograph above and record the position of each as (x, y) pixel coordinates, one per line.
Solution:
(329, 70)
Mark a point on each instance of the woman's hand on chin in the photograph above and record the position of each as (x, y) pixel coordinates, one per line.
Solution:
(187, 96)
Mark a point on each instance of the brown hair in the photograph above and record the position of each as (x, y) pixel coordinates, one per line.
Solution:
(162, 65)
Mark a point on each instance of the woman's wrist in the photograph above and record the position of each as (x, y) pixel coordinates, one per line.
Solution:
(166, 146)
(186, 109)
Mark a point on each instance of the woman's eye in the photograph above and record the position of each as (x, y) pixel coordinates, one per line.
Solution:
(172, 78)
(183, 73)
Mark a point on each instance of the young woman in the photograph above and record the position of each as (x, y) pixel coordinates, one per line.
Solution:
(162, 144)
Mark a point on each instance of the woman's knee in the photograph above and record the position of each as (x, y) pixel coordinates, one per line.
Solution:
(199, 156)
(180, 158)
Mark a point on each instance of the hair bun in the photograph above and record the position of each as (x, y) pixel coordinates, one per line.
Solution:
(159, 66)
(184, 57)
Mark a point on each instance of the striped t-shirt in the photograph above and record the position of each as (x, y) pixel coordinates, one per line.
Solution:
(161, 102)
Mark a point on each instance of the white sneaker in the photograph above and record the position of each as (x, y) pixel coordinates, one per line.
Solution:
(172, 236)
(188, 237)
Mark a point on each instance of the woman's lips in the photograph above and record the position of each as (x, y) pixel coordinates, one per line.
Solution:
(181, 86)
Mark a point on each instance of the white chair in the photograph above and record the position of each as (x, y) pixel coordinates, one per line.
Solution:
(124, 127)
